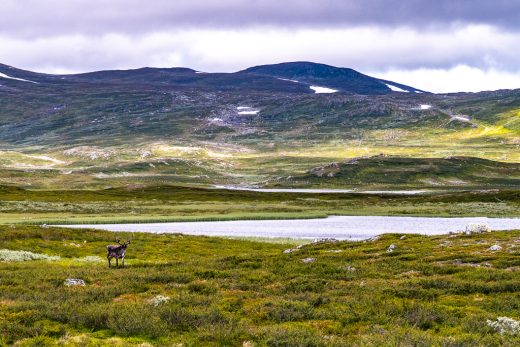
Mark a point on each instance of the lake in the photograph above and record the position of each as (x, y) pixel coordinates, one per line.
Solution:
(339, 227)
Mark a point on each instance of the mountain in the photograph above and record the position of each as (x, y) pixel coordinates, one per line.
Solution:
(297, 77)
(263, 125)
(341, 79)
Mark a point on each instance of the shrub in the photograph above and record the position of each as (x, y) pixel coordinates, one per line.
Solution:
(201, 287)
(134, 320)
(288, 311)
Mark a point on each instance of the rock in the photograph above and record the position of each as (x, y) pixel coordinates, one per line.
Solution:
(349, 268)
(494, 248)
(402, 237)
(505, 325)
(290, 250)
(334, 251)
(325, 240)
(332, 166)
(308, 260)
(391, 248)
(70, 282)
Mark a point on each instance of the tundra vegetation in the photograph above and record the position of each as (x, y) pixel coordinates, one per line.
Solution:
(165, 137)
(180, 290)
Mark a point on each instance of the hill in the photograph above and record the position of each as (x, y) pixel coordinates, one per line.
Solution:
(342, 79)
(433, 172)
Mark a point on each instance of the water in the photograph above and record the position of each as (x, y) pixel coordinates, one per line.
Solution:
(322, 191)
(339, 227)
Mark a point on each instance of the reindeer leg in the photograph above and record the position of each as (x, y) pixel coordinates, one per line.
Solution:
(123, 262)
(109, 261)
(117, 262)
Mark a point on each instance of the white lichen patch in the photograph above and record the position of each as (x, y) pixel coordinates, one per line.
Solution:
(91, 259)
(308, 260)
(10, 255)
(477, 228)
(159, 300)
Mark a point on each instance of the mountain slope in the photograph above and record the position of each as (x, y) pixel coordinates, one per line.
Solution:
(342, 79)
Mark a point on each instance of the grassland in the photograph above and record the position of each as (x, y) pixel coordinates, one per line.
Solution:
(176, 203)
(438, 290)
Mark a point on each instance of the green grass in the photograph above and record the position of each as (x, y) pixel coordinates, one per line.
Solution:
(177, 203)
(430, 291)
(144, 219)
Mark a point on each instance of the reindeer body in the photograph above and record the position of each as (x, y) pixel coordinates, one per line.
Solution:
(117, 251)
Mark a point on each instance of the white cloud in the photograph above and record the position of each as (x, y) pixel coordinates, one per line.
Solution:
(456, 79)
(474, 57)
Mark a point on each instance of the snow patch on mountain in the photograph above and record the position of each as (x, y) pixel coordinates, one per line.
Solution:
(323, 90)
(396, 89)
(461, 118)
(246, 110)
(425, 107)
(288, 80)
(14, 78)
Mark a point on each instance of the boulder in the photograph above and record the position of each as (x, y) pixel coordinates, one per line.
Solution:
(391, 248)
(71, 282)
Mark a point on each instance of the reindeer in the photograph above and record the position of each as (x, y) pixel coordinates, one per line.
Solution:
(117, 251)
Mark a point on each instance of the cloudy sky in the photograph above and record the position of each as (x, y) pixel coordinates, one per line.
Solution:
(440, 46)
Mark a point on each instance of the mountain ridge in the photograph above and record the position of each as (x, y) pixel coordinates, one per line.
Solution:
(263, 77)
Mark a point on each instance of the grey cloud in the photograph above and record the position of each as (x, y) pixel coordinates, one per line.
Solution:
(32, 18)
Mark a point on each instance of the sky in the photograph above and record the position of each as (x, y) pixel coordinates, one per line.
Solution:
(439, 46)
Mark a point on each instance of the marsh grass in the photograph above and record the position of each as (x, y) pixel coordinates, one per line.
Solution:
(438, 290)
